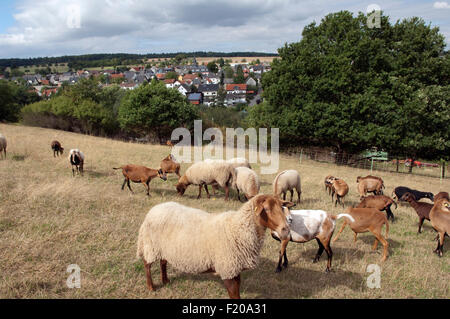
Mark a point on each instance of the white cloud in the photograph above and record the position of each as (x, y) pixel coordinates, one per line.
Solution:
(441, 5)
(46, 27)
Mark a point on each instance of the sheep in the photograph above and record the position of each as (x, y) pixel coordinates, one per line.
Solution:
(207, 173)
(327, 183)
(76, 159)
(247, 181)
(140, 174)
(195, 241)
(369, 184)
(287, 181)
(398, 192)
(441, 195)
(306, 225)
(57, 148)
(422, 209)
(235, 162)
(364, 220)
(380, 202)
(170, 165)
(340, 188)
(440, 220)
(3, 145)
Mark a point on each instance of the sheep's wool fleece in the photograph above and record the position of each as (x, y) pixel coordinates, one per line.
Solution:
(209, 172)
(194, 241)
(286, 180)
(247, 181)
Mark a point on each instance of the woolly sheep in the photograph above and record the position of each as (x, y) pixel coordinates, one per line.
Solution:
(287, 181)
(247, 181)
(3, 144)
(207, 173)
(236, 161)
(195, 241)
(76, 159)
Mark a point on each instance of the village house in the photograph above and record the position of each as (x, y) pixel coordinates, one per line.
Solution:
(209, 93)
(195, 98)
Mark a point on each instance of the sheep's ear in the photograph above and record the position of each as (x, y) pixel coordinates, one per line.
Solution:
(259, 205)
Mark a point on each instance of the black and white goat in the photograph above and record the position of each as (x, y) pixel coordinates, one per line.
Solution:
(76, 158)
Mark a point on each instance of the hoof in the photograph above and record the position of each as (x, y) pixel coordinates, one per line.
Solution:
(278, 270)
(315, 260)
(327, 270)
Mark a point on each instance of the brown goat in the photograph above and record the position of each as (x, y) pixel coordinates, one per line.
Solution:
(440, 220)
(169, 165)
(422, 209)
(340, 188)
(140, 174)
(57, 148)
(169, 143)
(367, 219)
(380, 202)
(369, 184)
(441, 195)
(327, 182)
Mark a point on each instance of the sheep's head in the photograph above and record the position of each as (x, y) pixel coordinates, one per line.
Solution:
(358, 179)
(443, 204)
(429, 196)
(408, 197)
(270, 213)
(181, 188)
(162, 175)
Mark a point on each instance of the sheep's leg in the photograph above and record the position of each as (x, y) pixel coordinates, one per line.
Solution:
(390, 215)
(73, 172)
(438, 246)
(239, 196)
(227, 191)
(319, 252)
(207, 192)
(214, 188)
(340, 231)
(147, 187)
(383, 241)
(292, 194)
(342, 201)
(282, 253)
(299, 193)
(441, 242)
(284, 195)
(421, 220)
(375, 244)
(354, 236)
(148, 275)
(329, 255)
(199, 191)
(124, 182)
(163, 265)
(232, 286)
(128, 184)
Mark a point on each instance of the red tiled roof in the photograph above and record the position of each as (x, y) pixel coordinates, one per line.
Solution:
(231, 87)
(190, 76)
(160, 76)
(117, 75)
(169, 81)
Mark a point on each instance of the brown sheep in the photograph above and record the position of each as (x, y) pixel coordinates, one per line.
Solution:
(327, 182)
(369, 184)
(367, 219)
(57, 148)
(422, 209)
(440, 220)
(441, 195)
(140, 174)
(170, 165)
(380, 202)
(76, 159)
(340, 188)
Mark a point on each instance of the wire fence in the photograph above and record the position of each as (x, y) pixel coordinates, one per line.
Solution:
(397, 164)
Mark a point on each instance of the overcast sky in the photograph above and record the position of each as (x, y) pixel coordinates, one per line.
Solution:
(30, 28)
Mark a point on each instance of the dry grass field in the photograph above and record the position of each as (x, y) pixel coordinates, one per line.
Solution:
(238, 59)
(49, 220)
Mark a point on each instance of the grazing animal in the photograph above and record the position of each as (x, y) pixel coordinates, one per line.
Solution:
(3, 144)
(327, 182)
(401, 190)
(76, 159)
(369, 184)
(235, 162)
(441, 195)
(170, 165)
(364, 220)
(169, 143)
(140, 174)
(340, 188)
(380, 202)
(422, 209)
(306, 225)
(247, 182)
(287, 181)
(207, 173)
(57, 148)
(195, 241)
(440, 220)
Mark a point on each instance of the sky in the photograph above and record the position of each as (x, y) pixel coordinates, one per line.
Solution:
(30, 28)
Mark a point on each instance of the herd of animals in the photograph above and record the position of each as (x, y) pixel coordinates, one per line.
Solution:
(195, 241)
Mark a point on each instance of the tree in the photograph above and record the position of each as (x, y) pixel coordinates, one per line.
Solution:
(171, 75)
(229, 73)
(353, 87)
(212, 67)
(239, 77)
(153, 108)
